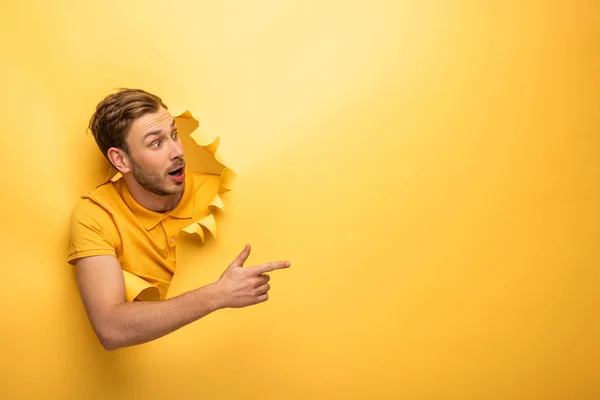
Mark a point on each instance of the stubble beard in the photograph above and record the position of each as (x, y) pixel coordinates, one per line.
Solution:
(153, 181)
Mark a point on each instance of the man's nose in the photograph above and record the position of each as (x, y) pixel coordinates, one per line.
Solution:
(176, 149)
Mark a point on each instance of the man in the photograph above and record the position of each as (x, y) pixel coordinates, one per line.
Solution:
(128, 228)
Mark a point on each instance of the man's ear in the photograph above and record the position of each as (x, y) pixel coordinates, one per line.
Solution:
(119, 160)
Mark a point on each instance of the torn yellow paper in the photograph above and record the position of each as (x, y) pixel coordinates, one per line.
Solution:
(195, 228)
(212, 162)
(138, 288)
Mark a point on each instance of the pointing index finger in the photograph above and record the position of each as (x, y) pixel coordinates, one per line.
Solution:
(270, 266)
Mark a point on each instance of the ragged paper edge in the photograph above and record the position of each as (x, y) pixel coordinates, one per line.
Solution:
(138, 288)
(227, 178)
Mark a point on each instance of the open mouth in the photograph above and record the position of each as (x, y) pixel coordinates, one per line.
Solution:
(177, 172)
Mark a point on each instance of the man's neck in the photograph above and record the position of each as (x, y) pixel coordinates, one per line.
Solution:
(149, 200)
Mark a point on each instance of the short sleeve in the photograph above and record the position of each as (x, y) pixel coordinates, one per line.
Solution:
(92, 231)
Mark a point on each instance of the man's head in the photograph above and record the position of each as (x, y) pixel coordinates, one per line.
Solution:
(138, 136)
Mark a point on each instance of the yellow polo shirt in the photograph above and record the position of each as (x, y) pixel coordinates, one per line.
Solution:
(108, 221)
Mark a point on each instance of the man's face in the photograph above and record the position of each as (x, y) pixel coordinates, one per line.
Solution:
(156, 154)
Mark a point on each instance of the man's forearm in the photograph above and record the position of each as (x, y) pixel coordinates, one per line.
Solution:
(132, 323)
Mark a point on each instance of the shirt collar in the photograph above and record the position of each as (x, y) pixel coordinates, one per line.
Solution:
(148, 218)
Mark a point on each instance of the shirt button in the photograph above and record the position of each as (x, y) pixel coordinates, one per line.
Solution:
(167, 218)
(172, 240)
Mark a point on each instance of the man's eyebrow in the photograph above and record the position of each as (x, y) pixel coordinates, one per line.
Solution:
(158, 131)
(154, 132)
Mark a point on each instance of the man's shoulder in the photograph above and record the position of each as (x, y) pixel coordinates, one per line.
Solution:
(93, 229)
(105, 192)
(101, 200)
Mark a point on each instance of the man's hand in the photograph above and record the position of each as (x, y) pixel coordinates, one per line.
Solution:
(241, 287)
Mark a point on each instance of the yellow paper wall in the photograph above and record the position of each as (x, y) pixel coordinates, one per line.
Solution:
(430, 168)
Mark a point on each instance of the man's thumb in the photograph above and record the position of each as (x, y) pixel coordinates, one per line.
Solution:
(239, 261)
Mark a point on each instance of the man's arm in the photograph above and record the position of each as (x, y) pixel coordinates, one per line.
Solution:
(119, 323)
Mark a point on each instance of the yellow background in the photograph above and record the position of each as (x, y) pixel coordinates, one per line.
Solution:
(429, 167)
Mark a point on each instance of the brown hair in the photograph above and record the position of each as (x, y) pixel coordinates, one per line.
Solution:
(115, 114)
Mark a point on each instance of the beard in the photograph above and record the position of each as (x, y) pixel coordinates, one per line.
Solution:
(153, 181)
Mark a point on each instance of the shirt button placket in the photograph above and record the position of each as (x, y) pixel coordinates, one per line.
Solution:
(172, 242)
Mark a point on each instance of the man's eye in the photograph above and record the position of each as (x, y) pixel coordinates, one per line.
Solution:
(155, 144)
(174, 135)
